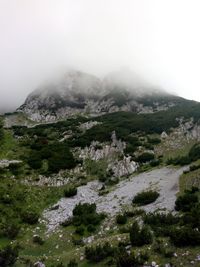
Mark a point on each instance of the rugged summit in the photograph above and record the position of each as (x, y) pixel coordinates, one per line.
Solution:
(82, 93)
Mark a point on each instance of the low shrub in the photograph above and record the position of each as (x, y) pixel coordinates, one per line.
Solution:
(72, 263)
(86, 214)
(8, 256)
(140, 237)
(99, 253)
(10, 229)
(186, 201)
(91, 228)
(70, 191)
(67, 222)
(145, 197)
(80, 230)
(125, 259)
(160, 219)
(38, 240)
(30, 217)
(185, 236)
(121, 219)
(145, 157)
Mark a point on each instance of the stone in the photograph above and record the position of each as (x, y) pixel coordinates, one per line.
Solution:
(164, 135)
(39, 264)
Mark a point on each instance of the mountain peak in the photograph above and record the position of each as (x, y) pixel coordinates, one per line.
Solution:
(82, 93)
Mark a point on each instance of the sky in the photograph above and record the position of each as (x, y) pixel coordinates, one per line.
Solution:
(157, 39)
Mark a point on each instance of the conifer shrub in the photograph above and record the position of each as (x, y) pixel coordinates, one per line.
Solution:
(145, 197)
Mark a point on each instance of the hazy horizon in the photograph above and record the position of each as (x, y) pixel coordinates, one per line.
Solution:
(156, 39)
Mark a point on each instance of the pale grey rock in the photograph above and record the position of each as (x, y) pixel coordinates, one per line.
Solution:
(4, 163)
(164, 180)
(123, 167)
(39, 264)
(164, 135)
(88, 125)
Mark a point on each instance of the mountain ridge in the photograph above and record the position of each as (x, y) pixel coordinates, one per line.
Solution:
(82, 93)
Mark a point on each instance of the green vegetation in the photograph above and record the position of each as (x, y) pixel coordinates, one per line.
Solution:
(99, 253)
(182, 230)
(187, 201)
(145, 198)
(84, 217)
(70, 191)
(8, 256)
(19, 205)
(121, 219)
(193, 155)
(140, 237)
(145, 157)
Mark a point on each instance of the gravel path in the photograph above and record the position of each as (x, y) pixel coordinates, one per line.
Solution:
(164, 180)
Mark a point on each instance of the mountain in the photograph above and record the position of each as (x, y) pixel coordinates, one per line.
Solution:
(82, 93)
(118, 185)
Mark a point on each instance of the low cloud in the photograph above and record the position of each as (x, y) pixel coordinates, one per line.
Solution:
(159, 40)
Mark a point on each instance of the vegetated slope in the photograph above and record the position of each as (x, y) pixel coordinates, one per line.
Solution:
(58, 159)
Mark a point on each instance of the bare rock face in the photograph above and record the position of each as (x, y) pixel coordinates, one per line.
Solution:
(82, 93)
(123, 167)
(110, 152)
(39, 264)
(97, 151)
(75, 93)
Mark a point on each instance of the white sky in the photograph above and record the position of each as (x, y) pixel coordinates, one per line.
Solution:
(158, 39)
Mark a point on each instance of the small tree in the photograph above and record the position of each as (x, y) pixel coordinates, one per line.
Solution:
(135, 234)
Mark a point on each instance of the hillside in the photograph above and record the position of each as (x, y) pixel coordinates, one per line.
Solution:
(116, 185)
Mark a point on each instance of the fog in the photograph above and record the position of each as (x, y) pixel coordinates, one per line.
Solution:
(157, 39)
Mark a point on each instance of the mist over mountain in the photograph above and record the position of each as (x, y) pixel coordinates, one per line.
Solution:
(82, 93)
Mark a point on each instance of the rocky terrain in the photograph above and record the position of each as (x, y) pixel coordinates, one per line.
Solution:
(164, 180)
(100, 173)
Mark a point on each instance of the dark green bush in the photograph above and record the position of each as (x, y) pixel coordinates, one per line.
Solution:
(80, 230)
(185, 236)
(30, 217)
(140, 237)
(72, 263)
(67, 222)
(70, 191)
(186, 202)
(8, 256)
(155, 163)
(145, 197)
(194, 167)
(85, 215)
(38, 240)
(121, 219)
(91, 228)
(10, 229)
(154, 140)
(145, 157)
(180, 160)
(99, 253)
(160, 219)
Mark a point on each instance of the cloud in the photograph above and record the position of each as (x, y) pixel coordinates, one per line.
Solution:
(158, 39)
